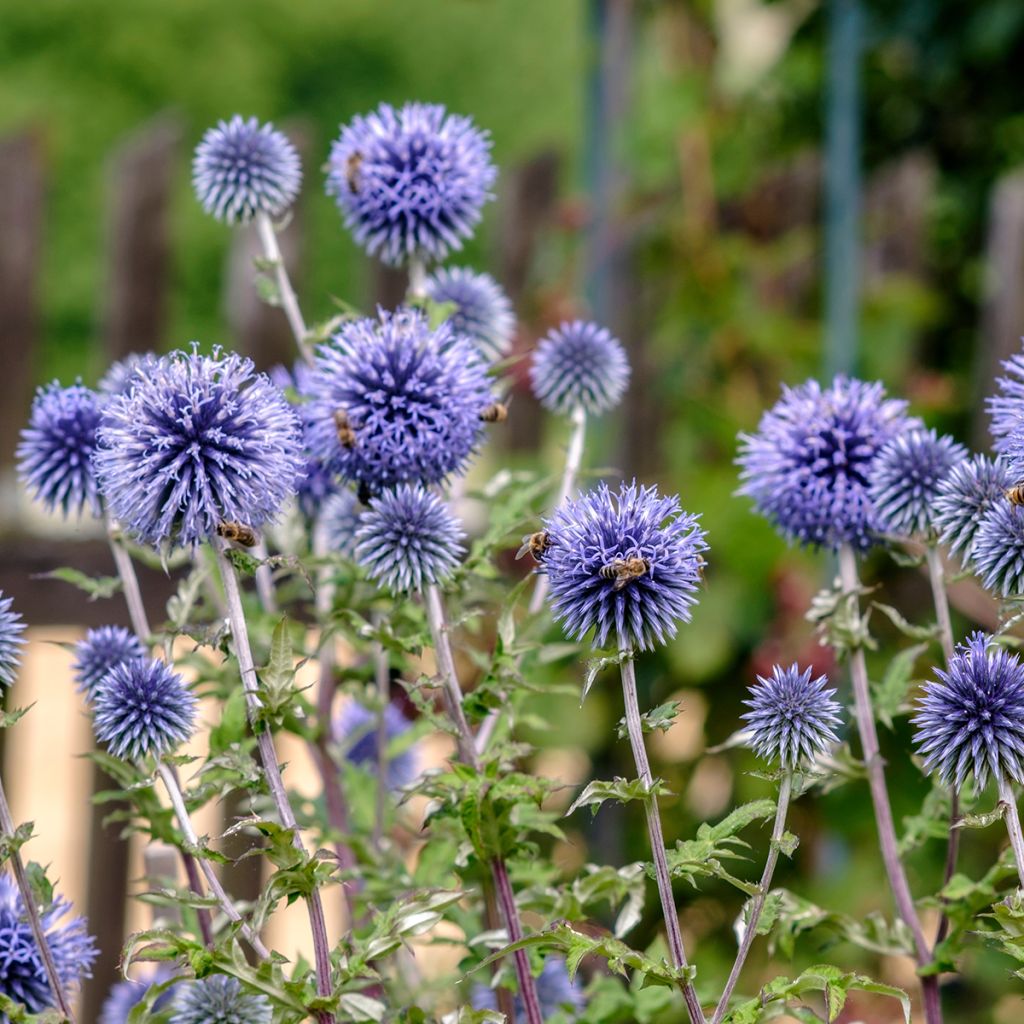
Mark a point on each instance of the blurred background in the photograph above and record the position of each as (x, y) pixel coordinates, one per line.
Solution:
(746, 192)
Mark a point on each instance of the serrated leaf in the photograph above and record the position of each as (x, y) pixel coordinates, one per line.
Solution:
(595, 666)
(361, 1007)
(96, 587)
(906, 627)
(889, 697)
(982, 820)
(623, 791)
(662, 717)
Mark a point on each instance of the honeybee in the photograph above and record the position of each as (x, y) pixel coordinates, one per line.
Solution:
(237, 533)
(352, 165)
(346, 434)
(622, 570)
(1015, 495)
(496, 412)
(536, 544)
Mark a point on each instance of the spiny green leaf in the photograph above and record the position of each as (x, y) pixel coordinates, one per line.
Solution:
(622, 790)
(661, 717)
(96, 587)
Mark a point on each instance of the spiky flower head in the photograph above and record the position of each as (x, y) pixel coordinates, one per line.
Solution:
(809, 466)
(120, 376)
(356, 729)
(970, 721)
(408, 539)
(220, 1000)
(410, 183)
(141, 707)
(971, 488)
(792, 717)
(125, 995)
(555, 992)
(1006, 409)
(997, 554)
(242, 168)
(12, 639)
(340, 518)
(196, 441)
(579, 365)
(98, 652)
(625, 565)
(22, 974)
(482, 313)
(907, 474)
(56, 449)
(411, 395)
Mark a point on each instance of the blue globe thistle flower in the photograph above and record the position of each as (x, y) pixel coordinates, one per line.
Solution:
(126, 995)
(356, 729)
(99, 652)
(962, 499)
(220, 1000)
(809, 466)
(56, 449)
(408, 539)
(120, 376)
(971, 720)
(906, 477)
(340, 518)
(555, 992)
(483, 312)
(198, 440)
(411, 396)
(997, 554)
(242, 168)
(579, 364)
(410, 183)
(1006, 410)
(142, 707)
(22, 974)
(625, 565)
(12, 639)
(792, 716)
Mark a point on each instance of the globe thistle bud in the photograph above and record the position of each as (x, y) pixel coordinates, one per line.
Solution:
(970, 721)
(997, 553)
(23, 977)
(12, 639)
(579, 365)
(792, 716)
(555, 992)
(410, 183)
(120, 376)
(142, 707)
(242, 168)
(100, 651)
(220, 1000)
(964, 497)
(907, 474)
(408, 539)
(1006, 410)
(483, 312)
(624, 565)
(356, 729)
(198, 440)
(809, 466)
(340, 517)
(56, 450)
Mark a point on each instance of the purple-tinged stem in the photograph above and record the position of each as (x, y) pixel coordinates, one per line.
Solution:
(289, 303)
(264, 580)
(634, 727)
(750, 927)
(1013, 824)
(382, 678)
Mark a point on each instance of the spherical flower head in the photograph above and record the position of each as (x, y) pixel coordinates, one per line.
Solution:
(810, 464)
(198, 440)
(126, 995)
(1006, 409)
(792, 716)
(579, 365)
(624, 565)
(410, 183)
(56, 449)
(99, 652)
(408, 539)
(356, 729)
(340, 518)
(483, 312)
(12, 639)
(242, 168)
(220, 1000)
(142, 707)
(121, 375)
(971, 720)
(997, 554)
(555, 992)
(906, 477)
(971, 488)
(22, 974)
(409, 398)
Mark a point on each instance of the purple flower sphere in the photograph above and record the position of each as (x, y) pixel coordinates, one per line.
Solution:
(356, 729)
(100, 651)
(120, 376)
(482, 313)
(220, 1000)
(964, 498)
(555, 992)
(997, 554)
(126, 995)
(410, 183)
(340, 517)
(1006, 409)
(12, 639)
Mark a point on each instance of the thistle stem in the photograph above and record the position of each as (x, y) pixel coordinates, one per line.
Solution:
(264, 579)
(657, 840)
(35, 921)
(467, 752)
(289, 303)
(271, 766)
(750, 928)
(177, 798)
(875, 769)
(417, 280)
(382, 679)
(129, 581)
(1013, 824)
